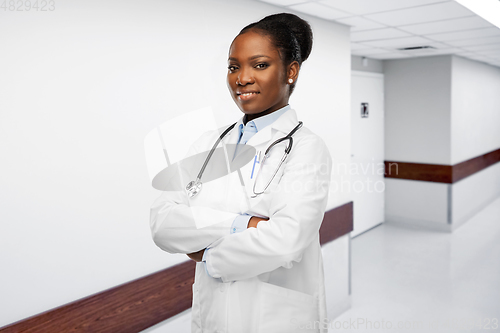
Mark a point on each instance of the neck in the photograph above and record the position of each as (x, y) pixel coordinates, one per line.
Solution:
(250, 117)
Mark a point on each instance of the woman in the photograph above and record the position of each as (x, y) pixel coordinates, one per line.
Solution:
(259, 265)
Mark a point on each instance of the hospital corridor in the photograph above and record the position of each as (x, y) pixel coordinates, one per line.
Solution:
(426, 281)
(249, 166)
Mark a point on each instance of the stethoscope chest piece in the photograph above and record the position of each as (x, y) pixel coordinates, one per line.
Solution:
(193, 188)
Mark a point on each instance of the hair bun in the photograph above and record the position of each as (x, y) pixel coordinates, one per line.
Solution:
(299, 27)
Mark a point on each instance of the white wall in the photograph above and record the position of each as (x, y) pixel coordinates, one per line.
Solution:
(473, 193)
(337, 265)
(419, 203)
(441, 109)
(418, 130)
(371, 65)
(417, 110)
(475, 130)
(453, 115)
(81, 86)
(475, 117)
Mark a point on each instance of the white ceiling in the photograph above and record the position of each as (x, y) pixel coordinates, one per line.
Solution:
(380, 27)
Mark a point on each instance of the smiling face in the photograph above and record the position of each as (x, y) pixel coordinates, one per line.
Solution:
(256, 76)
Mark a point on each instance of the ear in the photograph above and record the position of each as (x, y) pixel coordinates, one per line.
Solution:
(293, 71)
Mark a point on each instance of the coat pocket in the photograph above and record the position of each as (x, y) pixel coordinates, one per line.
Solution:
(196, 311)
(283, 310)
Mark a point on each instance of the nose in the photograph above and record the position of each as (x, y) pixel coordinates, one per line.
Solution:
(245, 76)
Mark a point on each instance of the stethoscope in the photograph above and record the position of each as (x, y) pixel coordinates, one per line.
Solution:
(194, 186)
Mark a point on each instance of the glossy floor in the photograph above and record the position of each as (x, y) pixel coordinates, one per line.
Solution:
(411, 280)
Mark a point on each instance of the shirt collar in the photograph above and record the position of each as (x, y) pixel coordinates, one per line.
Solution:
(261, 122)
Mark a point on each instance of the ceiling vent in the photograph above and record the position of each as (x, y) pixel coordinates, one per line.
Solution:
(415, 50)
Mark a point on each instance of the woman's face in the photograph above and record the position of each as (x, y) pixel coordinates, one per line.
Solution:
(256, 75)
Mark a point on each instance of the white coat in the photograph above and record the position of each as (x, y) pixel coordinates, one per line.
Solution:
(267, 279)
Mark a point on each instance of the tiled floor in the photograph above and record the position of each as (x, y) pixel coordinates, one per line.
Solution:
(411, 280)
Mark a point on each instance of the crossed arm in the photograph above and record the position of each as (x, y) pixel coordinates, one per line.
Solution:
(254, 220)
(295, 215)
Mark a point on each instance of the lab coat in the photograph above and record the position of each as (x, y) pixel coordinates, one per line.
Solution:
(267, 279)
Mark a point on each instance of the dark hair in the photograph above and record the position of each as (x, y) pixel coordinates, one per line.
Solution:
(291, 35)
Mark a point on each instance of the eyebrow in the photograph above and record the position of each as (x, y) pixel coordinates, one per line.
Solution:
(252, 57)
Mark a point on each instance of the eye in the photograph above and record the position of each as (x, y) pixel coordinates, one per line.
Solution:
(261, 65)
(232, 68)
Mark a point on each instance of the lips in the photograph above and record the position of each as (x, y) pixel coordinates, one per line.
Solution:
(246, 95)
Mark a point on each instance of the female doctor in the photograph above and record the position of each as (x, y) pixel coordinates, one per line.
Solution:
(259, 266)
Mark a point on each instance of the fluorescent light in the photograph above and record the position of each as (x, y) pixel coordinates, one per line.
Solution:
(487, 9)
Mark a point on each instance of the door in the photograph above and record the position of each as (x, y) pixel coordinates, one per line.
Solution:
(367, 150)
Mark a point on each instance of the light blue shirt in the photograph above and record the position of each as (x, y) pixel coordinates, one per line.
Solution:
(240, 223)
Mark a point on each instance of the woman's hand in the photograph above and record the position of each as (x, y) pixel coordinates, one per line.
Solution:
(254, 220)
(196, 256)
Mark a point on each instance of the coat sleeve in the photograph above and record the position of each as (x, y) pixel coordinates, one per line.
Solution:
(175, 223)
(297, 208)
(174, 227)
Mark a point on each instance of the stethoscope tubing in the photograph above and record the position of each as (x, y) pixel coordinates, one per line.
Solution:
(212, 150)
(196, 185)
(266, 154)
